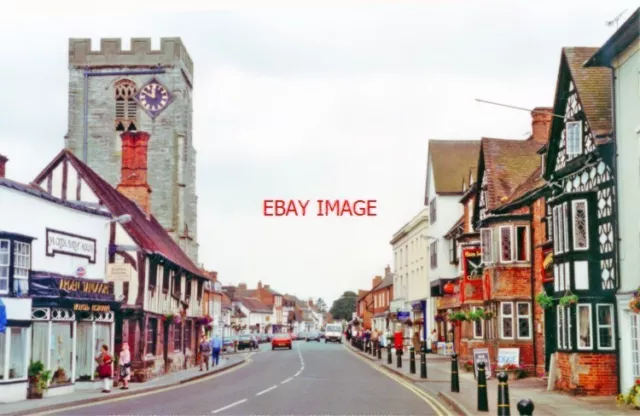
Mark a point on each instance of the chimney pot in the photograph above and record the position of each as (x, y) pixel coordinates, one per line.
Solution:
(259, 284)
(3, 165)
(133, 179)
(541, 118)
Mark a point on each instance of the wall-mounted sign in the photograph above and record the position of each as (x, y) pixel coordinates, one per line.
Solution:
(59, 242)
(85, 307)
(508, 356)
(403, 316)
(120, 272)
(81, 272)
(471, 284)
(87, 286)
(481, 355)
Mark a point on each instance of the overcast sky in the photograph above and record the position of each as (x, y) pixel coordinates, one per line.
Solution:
(307, 102)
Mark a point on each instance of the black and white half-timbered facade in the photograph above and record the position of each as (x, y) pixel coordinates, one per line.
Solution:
(581, 218)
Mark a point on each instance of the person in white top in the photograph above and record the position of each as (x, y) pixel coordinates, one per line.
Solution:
(434, 341)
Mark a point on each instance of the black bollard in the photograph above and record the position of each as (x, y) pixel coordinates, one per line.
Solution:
(379, 347)
(399, 354)
(389, 357)
(504, 409)
(412, 361)
(455, 380)
(483, 400)
(423, 364)
(525, 407)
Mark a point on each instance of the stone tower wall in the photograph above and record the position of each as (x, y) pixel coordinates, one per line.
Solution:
(171, 131)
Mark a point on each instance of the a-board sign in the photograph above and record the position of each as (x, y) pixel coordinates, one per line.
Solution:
(508, 356)
(481, 355)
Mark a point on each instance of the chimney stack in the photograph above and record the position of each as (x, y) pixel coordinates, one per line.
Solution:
(3, 165)
(387, 270)
(133, 180)
(541, 124)
(376, 281)
(259, 284)
(266, 286)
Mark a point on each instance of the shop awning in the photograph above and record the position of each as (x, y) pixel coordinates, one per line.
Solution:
(3, 317)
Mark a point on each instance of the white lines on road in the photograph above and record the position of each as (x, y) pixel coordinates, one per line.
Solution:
(229, 406)
(266, 390)
(298, 373)
(287, 380)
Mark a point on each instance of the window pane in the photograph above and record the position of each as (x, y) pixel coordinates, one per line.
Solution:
(580, 231)
(61, 350)
(505, 243)
(565, 226)
(604, 315)
(507, 327)
(18, 360)
(523, 309)
(584, 326)
(560, 321)
(605, 326)
(521, 243)
(524, 328)
(84, 363)
(560, 233)
(40, 342)
(507, 308)
(103, 336)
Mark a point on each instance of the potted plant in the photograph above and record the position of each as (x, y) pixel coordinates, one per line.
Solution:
(60, 376)
(513, 371)
(468, 366)
(631, 398)
(38, 380)
(169, 318)
(545, 301)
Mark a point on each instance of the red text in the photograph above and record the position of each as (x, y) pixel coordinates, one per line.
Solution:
(344, 207)
(284, 207)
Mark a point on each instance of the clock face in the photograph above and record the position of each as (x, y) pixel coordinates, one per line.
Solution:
(153, 98)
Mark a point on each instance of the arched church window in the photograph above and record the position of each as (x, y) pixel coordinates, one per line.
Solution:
(126, 106)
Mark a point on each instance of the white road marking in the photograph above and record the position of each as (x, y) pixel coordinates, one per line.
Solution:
(287, 380)
(266, 390)
(298, 373)
(230, 406)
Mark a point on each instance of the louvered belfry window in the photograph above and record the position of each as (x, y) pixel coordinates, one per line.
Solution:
(126, 106)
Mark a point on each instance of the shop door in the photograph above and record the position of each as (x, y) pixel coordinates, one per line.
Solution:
(550, 332)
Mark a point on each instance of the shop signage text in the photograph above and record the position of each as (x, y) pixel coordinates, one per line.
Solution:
(119, 272)
(60, 242)
(84, 307)
(86, 287)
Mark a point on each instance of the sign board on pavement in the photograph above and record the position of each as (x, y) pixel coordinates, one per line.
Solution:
(508, 356)
(481, 355)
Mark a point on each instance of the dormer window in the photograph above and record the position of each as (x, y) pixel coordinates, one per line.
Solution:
(574, 138)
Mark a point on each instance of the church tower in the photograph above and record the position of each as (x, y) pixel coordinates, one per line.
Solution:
(112, 90)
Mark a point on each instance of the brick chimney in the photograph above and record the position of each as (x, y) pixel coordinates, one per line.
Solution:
(242, 286)
(376, 281)
(3, 165)
(387, 270)
(259, 284)
(266, 286)
(541, 124)
(133, 179)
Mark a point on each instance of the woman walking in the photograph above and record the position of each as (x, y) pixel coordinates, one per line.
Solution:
(125, 366)
(104, 368)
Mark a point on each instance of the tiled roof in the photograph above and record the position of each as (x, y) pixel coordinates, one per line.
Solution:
(507, 164)
(147, 233)
(237, 313)
(362, 294)
(594, 88)
(458, 224)
(386, 282)
(532, 183)
(626, 34)
(254, 305)
(451, 161)
(226, 302)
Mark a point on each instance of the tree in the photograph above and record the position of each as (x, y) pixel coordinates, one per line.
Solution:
(344, 307)
(322, 306)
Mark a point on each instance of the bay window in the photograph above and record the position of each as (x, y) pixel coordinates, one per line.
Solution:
(13, 345)
(580, 224)
(564, 327)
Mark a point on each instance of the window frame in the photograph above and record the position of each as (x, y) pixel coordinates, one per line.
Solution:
(574, 203)
(177, 336)
(500, 234)
(7, 266)
(611, 325)
(433, 254)
(560, 323)
(517, 243)
(152, 336)
(590, 307)
(486, 242)
(568, 147)
(502, 320)
(453, 251)
(528, 317)
(432, 210)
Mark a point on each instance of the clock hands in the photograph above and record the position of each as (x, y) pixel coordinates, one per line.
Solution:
(151, 94)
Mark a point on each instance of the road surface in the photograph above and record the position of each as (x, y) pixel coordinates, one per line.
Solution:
(311, 379)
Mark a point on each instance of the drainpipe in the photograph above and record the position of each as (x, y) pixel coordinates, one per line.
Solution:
(85, 110)
(532, 252)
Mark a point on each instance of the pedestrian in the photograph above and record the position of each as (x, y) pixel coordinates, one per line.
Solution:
(104, 361)
(434, 341)
(416, 341)
(205, 352)
(216, 346)
(125, 366)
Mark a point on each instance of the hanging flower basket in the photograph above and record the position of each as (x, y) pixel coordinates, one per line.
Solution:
(487, 315)
(439, 318)
(457, 317)
(568, 299)
(634, 302)
(169, 318)
(205, 320)
(475, 315)
(545, 301)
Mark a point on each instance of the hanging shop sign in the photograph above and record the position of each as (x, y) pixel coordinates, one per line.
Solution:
(60, 242)
(471, 284)
(119, 272)
(62, 288)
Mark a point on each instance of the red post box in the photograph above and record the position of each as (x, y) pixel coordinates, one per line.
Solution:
(398, 340)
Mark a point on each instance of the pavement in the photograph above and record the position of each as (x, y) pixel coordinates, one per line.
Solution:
(551, 403)
(311, 379)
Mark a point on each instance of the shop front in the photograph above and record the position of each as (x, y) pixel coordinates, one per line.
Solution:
(72, 319)
(15, 327)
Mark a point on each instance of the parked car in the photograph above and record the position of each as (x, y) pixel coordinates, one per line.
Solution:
(247, 341)
(302, 336)
(227, 343)
(281, 341)
(313, 336)
(294, 337)
(322, 334)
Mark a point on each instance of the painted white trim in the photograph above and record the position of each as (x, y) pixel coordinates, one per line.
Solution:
(573, 223)
(8, 266)
(588, 305)
(612, 325)
(502, 318)
(580, 138)
(528, 317)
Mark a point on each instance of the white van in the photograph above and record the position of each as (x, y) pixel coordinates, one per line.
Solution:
(333, 333)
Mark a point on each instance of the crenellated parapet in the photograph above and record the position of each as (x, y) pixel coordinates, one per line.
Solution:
(172, 51)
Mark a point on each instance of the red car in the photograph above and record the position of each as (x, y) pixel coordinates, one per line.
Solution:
(281, 341)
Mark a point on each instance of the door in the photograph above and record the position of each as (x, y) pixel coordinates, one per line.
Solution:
(550, 335)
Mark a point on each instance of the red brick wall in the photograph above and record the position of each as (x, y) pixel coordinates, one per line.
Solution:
(526, 351)
(587, 374)
(539, 237)
(508, 282)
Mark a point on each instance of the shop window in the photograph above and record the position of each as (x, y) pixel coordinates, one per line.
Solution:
(61, 352)
(584, 327)
(523, 310)
(506, 320)
(605, 327)
(15, 340)
(506, 245)
(153, 275)
(580, 225)
(177, 337)
(478, 326)
(39, 341)
(84, 350)
(522, 242)
(486, 237)
(574, 138)
(152, 335)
